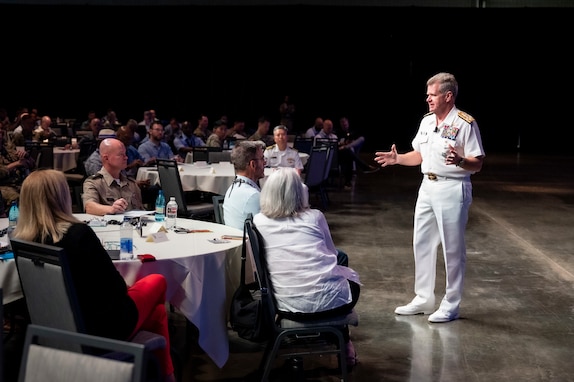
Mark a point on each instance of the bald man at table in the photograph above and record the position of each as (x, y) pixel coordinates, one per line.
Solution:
(110, 191)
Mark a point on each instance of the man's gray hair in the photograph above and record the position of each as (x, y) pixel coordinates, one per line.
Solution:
(244, 152)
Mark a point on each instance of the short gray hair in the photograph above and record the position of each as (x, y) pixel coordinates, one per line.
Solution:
(446, 82)
(283, 194)
(281, 127)
(244, 152)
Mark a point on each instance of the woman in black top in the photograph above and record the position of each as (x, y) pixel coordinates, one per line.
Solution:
(110, 308)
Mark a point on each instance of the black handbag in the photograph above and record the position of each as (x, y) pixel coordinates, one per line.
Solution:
(248, 305)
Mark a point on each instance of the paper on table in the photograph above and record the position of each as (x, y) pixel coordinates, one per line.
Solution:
(130, 214)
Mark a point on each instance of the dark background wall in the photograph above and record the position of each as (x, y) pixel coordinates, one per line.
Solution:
(369, 63)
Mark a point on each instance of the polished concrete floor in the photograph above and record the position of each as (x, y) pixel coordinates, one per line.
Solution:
(517, 314)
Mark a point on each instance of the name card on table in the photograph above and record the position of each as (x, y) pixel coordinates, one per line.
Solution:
(157, 237)
(157, 233)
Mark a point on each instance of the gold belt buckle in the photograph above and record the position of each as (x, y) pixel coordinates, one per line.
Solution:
(431, 176)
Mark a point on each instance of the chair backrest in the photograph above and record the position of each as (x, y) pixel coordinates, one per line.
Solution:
(218, 208)
(303, 144)
(170, 181)
(43, 153)
(46, 157)
(200, 154)
(219, 156)
(47, 285)
(257, 244)
(334, 145)
(42, 362)
(317, 166)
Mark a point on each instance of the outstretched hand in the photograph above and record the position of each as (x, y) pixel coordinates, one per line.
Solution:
(387, 158)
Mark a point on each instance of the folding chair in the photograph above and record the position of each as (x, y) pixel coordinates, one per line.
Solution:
(295, 338)
(170, 181)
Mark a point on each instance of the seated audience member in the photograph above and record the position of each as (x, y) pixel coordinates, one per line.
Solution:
(348, 159)
(45, 131)
(135, 161)
(85, 125)
(280, 154)
(186, 141)
(171, 131)
(261, 134)
(242, 197)
(237, 131)
(25, 131)
(350, 139)
(202, 130)
(93, 163)
(303, 267)
(15, 165)
(314, 130)
(110, 191)
(218, 135)
(155, 147)
(110, 308)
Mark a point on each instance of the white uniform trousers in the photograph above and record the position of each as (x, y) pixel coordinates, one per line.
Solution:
(441, 214)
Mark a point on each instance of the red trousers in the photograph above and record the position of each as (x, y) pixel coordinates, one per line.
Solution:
(149, 295)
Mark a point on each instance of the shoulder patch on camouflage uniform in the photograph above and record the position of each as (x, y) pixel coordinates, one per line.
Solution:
(467, 117)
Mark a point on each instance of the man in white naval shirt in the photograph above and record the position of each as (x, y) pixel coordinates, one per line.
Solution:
(280, 154)
(449, 149)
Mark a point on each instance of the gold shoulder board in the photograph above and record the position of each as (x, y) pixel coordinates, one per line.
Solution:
(468, 118)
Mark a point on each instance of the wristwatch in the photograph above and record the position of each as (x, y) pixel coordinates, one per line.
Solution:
(460, 163)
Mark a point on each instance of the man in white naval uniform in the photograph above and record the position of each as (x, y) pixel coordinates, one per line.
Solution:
(448, 146)
(280, 154)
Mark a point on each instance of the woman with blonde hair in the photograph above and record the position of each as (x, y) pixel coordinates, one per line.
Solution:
(308, 279)
(110, 308)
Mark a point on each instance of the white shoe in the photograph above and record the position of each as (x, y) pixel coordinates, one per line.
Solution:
(442, 316)
(412, 309)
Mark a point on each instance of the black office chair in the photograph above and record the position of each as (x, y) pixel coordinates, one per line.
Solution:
(170, 182)
(50, 296)
(295, 338)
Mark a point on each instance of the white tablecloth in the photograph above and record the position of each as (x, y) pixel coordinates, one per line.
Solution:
(65, 160)
(200, 275)
(215, 178)
(9, 280)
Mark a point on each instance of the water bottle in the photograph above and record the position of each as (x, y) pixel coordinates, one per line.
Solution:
(13, 214)
(126, 240)
(171, 213)
(160, 207)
